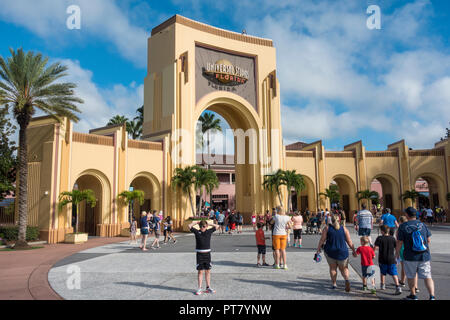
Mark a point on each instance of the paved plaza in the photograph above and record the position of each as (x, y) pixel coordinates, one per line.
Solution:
(122, 271)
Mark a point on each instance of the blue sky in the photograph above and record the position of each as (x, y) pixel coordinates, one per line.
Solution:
(340, 81)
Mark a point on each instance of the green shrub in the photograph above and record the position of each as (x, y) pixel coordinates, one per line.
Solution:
(11, 233)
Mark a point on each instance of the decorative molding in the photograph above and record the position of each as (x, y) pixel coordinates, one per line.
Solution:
(145, 145)
(381, 154)
(212, 30)
(92, 139)
(340, 154)
(300, 154)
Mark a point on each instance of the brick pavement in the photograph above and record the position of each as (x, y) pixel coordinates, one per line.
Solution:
(24, 274)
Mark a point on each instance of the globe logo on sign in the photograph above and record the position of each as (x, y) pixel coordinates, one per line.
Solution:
(223, 72)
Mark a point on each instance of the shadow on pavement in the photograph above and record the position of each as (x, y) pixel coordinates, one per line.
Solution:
(156, 286)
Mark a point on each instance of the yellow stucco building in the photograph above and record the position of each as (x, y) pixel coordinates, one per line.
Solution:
(193, 67)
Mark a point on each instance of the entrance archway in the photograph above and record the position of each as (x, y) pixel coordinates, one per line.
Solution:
(149, 184)
(244, 121)
(307, 197)
(435, 197)
(347, 193)
(388, 189)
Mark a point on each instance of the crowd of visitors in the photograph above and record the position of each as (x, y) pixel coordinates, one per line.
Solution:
(404, 242)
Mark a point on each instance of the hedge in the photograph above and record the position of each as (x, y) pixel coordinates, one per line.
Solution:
(11, 233)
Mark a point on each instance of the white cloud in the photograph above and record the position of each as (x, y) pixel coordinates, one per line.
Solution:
(102, 20)
(100, 105)
(341, 78)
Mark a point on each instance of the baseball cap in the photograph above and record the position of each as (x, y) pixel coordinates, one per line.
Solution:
(411, 212)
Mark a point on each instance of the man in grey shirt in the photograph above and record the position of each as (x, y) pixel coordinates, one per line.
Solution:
(364, 223)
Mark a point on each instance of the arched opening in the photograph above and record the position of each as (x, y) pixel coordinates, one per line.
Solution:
(431, 191)
(244, 132)
(215, 150)
(89, 218)
(347, 195)
(149, 184)
(306, 199)
(388, 190)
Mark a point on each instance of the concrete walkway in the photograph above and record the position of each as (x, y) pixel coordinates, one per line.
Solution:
(122, 271)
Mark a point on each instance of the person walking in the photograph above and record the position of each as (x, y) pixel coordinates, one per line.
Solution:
(221, 222)
(240, 222)
(280, 222)
(261, 245)
(415, 237)
(203, 250)
(268, 217)
(389, 220)
(156, 230)
(144, 231)
(364, 223)
(133, 230)
(297, 225)
(367, 255)
(386, 258)
(429, 216)
(168, 224)
(336, 238)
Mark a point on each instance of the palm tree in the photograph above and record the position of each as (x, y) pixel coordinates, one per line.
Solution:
(140, 117)
(28, 84)
(204, 178)
(294, 180)
(117, 120)
(411, 194)
(185, 179)
(273, 182)
(331, 193)
(134, 129)
(129, 197)
(75, 198)
(209, 123)
(369, 195)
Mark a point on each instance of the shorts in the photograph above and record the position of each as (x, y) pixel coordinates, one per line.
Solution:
(240, 224)
(364, 271)
(157, 233)
(390, 269)
(364, 232)
(144, 231)
(297, 234)
(392, 231)
(220, 223)
(341, 263)
(204, 261)
(261, 249)
(279, 242)
(422, 268)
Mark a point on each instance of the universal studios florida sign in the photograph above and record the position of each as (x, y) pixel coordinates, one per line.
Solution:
(225, 73)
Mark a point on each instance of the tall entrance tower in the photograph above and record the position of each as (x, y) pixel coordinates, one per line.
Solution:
(193, 67)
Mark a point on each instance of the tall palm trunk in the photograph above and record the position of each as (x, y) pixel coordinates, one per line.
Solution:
(23, 176)
(192, 204)
(279, 199)
(77, 216)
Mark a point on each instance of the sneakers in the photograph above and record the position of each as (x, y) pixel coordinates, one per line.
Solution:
(402, 283)
(412, 297)
(299, 245)
(210, 290)
(265, 265)
(417, 290)
(382, 286)
(364, 288)
(432, 298)
(398, 291)
(276, 266)
(294, 245)
(285, 267)
(258, 264)
(373, 291)
(347, 286)
(199, 292)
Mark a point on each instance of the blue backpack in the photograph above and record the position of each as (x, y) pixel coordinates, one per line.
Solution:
(418, 243)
